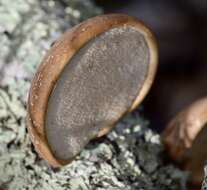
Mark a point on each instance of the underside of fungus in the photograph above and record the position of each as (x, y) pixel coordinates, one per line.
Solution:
(186, 139)
(93, 75)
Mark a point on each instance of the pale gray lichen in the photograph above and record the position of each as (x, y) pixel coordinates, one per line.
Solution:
(204, 186)
(130, 157)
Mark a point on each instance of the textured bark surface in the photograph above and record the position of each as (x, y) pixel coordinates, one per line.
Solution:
(130, 157)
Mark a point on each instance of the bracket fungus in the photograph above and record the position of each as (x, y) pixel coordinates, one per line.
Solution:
(94, 74)
(186, 139)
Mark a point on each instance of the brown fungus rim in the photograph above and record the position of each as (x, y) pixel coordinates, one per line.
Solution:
(56, 59)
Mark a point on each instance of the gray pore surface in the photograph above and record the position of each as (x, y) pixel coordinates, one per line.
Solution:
(96, 88)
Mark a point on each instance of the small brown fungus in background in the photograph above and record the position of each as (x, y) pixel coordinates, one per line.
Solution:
(93, 75)
(186, 139)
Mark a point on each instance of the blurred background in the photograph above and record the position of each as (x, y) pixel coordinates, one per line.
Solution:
(181, 30)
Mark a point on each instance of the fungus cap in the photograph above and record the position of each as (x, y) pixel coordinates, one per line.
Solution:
(94, 74)
(186, 139)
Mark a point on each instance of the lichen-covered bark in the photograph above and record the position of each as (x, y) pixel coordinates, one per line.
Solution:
(204, 186)
(130, 157)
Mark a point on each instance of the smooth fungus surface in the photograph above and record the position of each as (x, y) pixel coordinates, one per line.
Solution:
(97, 86)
